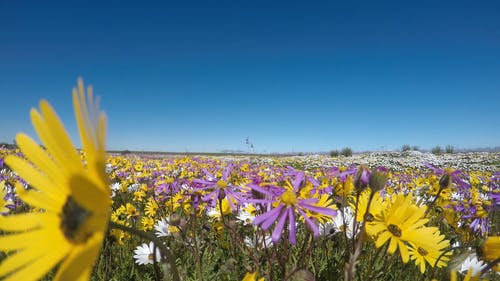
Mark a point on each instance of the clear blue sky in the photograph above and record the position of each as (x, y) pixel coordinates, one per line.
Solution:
(290, 75)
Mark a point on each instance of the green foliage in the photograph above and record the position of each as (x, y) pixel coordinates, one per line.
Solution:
(334, 153)
(437, 150)
(346, 151)
(450, 149)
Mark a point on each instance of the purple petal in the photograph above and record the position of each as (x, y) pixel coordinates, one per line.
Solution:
(321, 210)
(309, 200)
(260, 189)
(291, 219)
(261, 201)
(279, 227)
(225, 174)
(265, 216)
(297, 181)
(314, 181)
(311, 224)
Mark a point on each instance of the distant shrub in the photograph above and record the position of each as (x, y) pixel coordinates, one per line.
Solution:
(437, 150)
(346, 151)
(415, 148)
(334, 153)
(450, 149)
(405, 147)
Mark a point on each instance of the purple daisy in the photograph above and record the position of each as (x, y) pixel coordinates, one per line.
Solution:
(288, 206)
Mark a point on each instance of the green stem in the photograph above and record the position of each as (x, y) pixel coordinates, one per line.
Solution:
(434, 201)
(490, 265)
(197, 250)
(165, 252)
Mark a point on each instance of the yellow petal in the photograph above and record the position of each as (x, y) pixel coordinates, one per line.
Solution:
(87, 135)
(422, 267)
(88, 195)
(35, 177)
(22, 222)
(20, 259)
(40, 266)
(40, 199)
(383, 237)
(59, 133)
(36, 155)
(23, 240)
(102, 132)
(393, 245)
(405, 256)
(80, 260)
(65, 157)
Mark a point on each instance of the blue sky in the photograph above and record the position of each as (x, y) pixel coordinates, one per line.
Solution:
(291, 75)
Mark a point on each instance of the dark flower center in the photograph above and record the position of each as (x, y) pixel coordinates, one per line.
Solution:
(369, 217)
(395, 230)
(72, 217)
(422, 251)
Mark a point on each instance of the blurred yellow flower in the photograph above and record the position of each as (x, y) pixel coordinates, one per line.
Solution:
(75, 196)
(491, 250)
(252, 277)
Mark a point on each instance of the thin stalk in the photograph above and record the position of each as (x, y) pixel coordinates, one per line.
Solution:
(434, 201)
(199, 265)
(490, 265)
(155, 265)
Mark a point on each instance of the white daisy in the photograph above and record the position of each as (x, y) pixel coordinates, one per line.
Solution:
(144, 254)
(162, 228)
(328, 229)
(338, 222)
(245, 217)
(4, 203)
(471, 262)
(115, 187)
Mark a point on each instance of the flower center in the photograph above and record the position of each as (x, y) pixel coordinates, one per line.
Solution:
(150, 257)
(72, 218)
(221, 184)
(395, 230)
(369, 217)
(289, 198)
(422, 251)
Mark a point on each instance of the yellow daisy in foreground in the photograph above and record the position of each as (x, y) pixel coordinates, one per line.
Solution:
(491, 251)
(72, 198)
(491, 248)
(395, 224)
(429, 248)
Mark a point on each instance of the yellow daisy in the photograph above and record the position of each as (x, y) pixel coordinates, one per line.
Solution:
(395, 224)
(74, 197)
(429, 248)
(375, 210)
(491, 250)
(252, 276)
(151, 207)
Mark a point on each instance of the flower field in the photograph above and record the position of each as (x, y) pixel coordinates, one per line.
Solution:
(84, 214)
(296, 218)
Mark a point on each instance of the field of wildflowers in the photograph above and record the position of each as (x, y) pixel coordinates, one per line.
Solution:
(68, 214)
